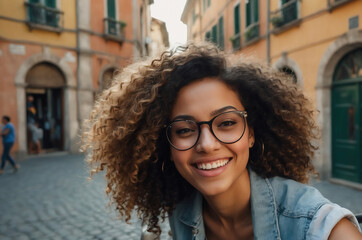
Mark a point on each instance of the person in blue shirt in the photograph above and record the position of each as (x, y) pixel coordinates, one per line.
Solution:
(222, 148)
(8, 137)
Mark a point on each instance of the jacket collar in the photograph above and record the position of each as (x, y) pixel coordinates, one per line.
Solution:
(263, 210)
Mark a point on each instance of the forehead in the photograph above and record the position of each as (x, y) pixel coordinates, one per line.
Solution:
(205, 96)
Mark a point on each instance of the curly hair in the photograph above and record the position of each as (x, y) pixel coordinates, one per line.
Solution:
(125, 134)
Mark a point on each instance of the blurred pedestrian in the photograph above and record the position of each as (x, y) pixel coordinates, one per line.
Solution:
(30, 120)
(37, 136)
(8, 136)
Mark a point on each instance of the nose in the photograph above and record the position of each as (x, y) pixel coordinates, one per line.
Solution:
(207, 141)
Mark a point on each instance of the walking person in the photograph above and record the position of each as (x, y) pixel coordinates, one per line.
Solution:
(8, 137)
(223, 149)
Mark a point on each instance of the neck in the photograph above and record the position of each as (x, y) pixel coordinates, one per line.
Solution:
(232, 207)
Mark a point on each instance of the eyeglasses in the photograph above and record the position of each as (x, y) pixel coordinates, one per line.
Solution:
(227, 127)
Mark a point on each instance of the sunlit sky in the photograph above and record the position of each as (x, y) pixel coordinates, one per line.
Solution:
(170, 12)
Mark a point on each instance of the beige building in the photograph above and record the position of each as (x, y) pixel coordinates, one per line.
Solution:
(159, 37)
(319, 43)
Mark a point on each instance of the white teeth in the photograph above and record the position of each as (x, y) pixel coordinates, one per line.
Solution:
(213, 165)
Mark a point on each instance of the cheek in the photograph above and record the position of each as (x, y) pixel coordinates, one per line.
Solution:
(180, 159)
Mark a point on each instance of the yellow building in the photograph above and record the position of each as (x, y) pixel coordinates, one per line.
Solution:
(319, 43)
(62, 53)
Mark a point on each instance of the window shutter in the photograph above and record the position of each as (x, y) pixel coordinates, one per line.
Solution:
(51, 3)
(248, 13)
(214, 34)
(237, 19)
(256, 11)
(221, 33)
(111, 9)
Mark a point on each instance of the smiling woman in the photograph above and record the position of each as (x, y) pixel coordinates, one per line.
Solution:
(221, 149)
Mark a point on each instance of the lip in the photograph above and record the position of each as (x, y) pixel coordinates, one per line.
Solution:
(211, 172)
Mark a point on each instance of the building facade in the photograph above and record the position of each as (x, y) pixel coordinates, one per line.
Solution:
(159, 37)
(62, 53)
(319, 43)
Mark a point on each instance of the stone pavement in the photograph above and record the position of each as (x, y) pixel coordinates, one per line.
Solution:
(51, 198)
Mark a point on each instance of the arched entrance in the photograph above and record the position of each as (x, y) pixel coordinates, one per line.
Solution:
(289, 72)
(347, 117)
(45, 84)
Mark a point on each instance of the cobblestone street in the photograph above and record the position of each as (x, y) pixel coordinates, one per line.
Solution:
(51, 198)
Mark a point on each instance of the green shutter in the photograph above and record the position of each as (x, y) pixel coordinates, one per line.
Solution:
(208, 36)
(248, 13)
(221, 33)
(208, 3)
(111, 9)
(237, 19)
(214, 34)
(256, 11)
(51, 3)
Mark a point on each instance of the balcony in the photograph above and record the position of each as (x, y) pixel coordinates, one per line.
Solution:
(251, 32)
(236, 41)
(114, 30)
(336, 3)
(43, 17)
(286, 16)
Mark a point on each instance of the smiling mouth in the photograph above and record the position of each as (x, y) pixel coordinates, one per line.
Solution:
(212, 165)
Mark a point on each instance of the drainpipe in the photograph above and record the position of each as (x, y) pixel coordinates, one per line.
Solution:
(268, 32)
(78, 65)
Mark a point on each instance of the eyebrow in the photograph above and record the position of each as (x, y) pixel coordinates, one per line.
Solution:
(221, 110)
(213, 113)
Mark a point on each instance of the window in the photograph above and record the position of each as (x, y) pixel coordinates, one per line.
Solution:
(43, 12)
(216, 34)
(208, 36)
(252, 20)
(289, 72)
(236, 39)
(221, 32)
(111, 15)
(287, 13)
(206, 4)
(237, 19)
(113, 27)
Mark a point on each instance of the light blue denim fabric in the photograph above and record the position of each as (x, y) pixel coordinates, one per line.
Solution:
(281, 209)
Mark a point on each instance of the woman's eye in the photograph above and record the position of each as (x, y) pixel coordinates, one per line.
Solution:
(184, 131)
(227, 123)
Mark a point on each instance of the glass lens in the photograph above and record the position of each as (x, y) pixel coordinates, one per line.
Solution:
(228, 127)
(182, 134)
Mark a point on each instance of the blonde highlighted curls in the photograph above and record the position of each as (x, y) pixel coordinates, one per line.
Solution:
(125, 133)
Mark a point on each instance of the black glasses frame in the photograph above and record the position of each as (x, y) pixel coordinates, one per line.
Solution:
(243, 114)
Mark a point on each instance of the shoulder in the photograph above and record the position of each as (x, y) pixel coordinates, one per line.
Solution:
(295, 199)
(304, 209)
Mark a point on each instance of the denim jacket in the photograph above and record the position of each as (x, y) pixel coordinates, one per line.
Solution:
(281, 209)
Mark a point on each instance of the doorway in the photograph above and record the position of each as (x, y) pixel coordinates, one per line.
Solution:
(346, 118)
(45, 83)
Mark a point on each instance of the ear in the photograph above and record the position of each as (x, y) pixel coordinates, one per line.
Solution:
(251, 137)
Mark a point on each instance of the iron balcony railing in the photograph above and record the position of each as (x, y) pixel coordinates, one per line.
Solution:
(289, 12)
(336, 3)
(39, 14)
(251, 32)
(114, 28)
(236, 41)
